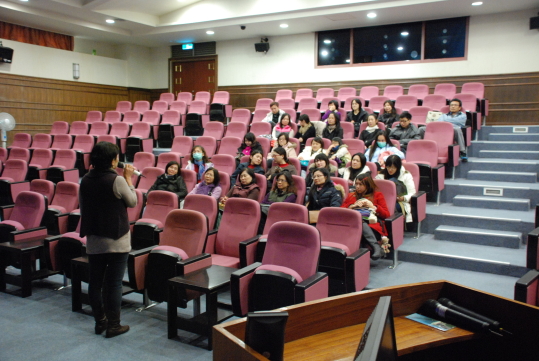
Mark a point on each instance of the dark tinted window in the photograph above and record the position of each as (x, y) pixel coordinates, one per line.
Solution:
(387, 43)
(334, 47)
(445, 38)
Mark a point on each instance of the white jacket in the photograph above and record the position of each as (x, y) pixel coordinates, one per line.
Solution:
(306, 154)
(406, 178)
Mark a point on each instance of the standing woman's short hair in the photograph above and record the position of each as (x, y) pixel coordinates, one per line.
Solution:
(102, 155)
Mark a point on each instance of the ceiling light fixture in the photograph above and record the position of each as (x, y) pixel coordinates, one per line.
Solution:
(405, 33)
(477, 3)
(371, 15)
(110, 21)
(210, 32)
(284, 26)
(400, 48)
(327, 41)
(324, 53)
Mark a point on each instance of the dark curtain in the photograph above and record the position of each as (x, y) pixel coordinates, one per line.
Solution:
(35, 36)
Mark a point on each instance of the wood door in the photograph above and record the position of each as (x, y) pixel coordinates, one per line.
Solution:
(194, 76)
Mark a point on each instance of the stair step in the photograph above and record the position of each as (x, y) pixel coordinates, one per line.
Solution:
(497, 164)
(523, 177)
(459, 186)
(515, 204)
(479, 236)
(512, 154)
(471, 257)
(507, 145)
(486, 130)
(515, 137)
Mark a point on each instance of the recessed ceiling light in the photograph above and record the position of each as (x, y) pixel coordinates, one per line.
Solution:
(405, 33)
(400, 48)
(210, 32)
(327, 41)
(24, 1)
(110, 21)
(347, 60)
(324, 53)
(477, 3)
(371, 15)
(284, 26)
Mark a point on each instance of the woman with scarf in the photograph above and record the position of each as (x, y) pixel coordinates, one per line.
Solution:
(333, 128)
(246, 187)
(306, 130)
(171, 181)
(283, 127)
(199, 162)
(358, 166)
(369, 134)
(357, 116)
(210, 185)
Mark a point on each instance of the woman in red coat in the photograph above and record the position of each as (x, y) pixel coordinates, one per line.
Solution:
(366, 196)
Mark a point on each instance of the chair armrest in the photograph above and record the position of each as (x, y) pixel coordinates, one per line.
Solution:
(453, 155)
(140, 252)
(395, 229)
(313, 288)
(137, 261)
(358, 269)
(526, 288)
(27, 233)
(248, 251)
(49, 244)
(260, 248)
(357, 254)
(438, 177)
(239, 288)
(194, 263)
(5, 211)
(418, 203)
(532, 250)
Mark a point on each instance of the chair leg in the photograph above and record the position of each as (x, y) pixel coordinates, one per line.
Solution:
(147, 302)
(438, 198)
(196, 306)
(67, 284)
(395, 260)
(453, 173)
(418, 230)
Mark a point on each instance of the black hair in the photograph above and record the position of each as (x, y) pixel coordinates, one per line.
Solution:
(285, 135)
(357, 100)
(250, 137)
(392, 160)
(281, 151)
(102, 155)
(172, 162)
(334, 102)
(361, 158)
(337, 118)
(392, 103)
(249, 171)
(374, 144)
(325, 173)
(305, 118)
(337, 139)
(253, 153)
(318, 140)
(325, 158)
(289, 179)
(204, 156)
(216, 177)
(281, 120)
(406, 115)
(456, 100)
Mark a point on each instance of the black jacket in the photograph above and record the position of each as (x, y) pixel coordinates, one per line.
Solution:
(388, 119)
(328, 196)
(368, 138)
(337, 132)
(258, 169)
(174, 184)
(310, 133)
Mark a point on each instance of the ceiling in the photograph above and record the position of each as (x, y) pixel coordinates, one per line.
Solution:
(166, 22)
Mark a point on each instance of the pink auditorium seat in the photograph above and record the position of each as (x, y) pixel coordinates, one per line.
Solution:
(287, 103)
(204, 204)
(131, 117)
(293, 114)
(120, 131)
(442, 133)
(324, 93)
(44, 187)
(325, 102)
(307, 103)
(405, 102)
(83, 145)
(364, 125)
(303, 93)
(348, 130)
(208, 143)
(78, 127)
(21, 140)
(19, 153)
(420, 91)
(224, 162)
(63, 167)
(203, 97)
(283, 94)
(225, 181)
(259, 115)
(377, 103)
(435, 101)
(393, 91)
(123, 106)
(13, 180)
(139, 140)
(260, 128)
(167, 97)
(367, 92)
(341, 257)
(94, 116)
(424, 153)
(472, 105)
(196, 118)
(186, 97)
(22, 220)
(183, 145)
(62, 141)
(181, 106)
(355, 146)
(419, 114)
(164, 158)
(313, 114)
(141, 106)
(446, 89)
(169, 128)
(345, 93)
(229, 145)
(215, 130)
(236, 129)
(65, 200)
(160, 106)
(112, 116)
(263, 103)
(281, 279)
(59, 127)
(41, 141)
(41, 159)
(241, 116)
(220, 107)
(419, 199)
(477, 89)
(190, 178)
(142, 161)
(150, 174)
(153, 118)
(99, 128)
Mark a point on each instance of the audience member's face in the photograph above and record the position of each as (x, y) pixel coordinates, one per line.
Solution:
(285, 120)
(315, 145)
(391, 169)
(209, 177)
(282, 141)
(318, 178)
(302, 123)
(256, 159)
(278, 158)
(334, 144)
(360, 187)
(274, 109)
(381, 138)
(405, 122)
(387, 108)
(371, 121)
(356, 162)
(355, 105)
(332, 107)
(454, 107)
(282, 184)
(331, 119)
(172, 170)
(245, 178)
(320, 163)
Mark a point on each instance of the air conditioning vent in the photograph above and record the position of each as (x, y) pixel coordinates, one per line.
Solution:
(520, 129)
(498, 192)
(199, 49)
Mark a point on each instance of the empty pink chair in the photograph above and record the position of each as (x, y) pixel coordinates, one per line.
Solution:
(241, 116)
(183, 145)
(160, 106)
(230, 145)
(367, 92)
(123, 106)
(393, 91)
(94, 116)
(181, 106)
(324, 93)
(420, 91)
(259, 115)
(220, 109)
(419, 114)
(59, 127)
(141, 106)
(167, 97)
(477, 89)
(99, 128)
(283, 94)
(203, 97)
(19, 153)
(140, 139)
(62, 141)
(405, 102)
(348, 130)
(225, 181)
(63, 167)
(131, 117)
(265, 144)
(196, 118)
(153, 118)
(446, 89)
(303, 93)
(355, 146)
(281, 279)
(263, 103)
(44, 187)
(12, 181)
(150, 174)
(313, 113)
(443, 134)
(41, 141)
(224, 162)
(377, 103)
(65, 200)
(186, 97)
(435, 101)
(341, 257)
(120, 131)
(169, 128)
(83, 145)
(41, 159)
(112, 116)
(23, 220)
(142, 161)
(236, 129)
(260, 128)
(345, 93)
(78, 127)
(472, 105)
(208, 143)
(424, 153)
(214, 130)
(307, 103)
(21, 140)
(287, 103)
(204, 204)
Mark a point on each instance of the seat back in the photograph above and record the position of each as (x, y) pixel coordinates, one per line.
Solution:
(345, 93)
(133, 214)
(120, 130)
(230, 145)
(15, 169)
(420, 91)
(283, 94)
(182, 145)
(469, 101)
(236, 129)
(164, 158)
(434, 101)
(260, 128)
(225, 182)
(42, 141)
(224, 162)
(204, 204)
(208, 143)
(265, 144)
(324, 93)
(442, 133)
(185, 229)
(259, 115)
(99, 128)
(65, 158)
(141, 106)
(313, 114)
(355, 145)
(301, 189)
(214, 130)
(405, 102)
(79, 127)
(307, 103)
(422, 151)
(367, 92)
(197, 107)
(107, 138)
(83, 142)
(389, 190)
(343, 183)
(238, 211)
(296, 163)
(62, 141)
(41, 158)
(262, 184)
(414, 171)
(419, 114)
(204, 97)
(19, 153)
(477, 89)
(221, 97)
(186, 97)
(347, 223)
(287, 103)
(44, 187)
(180, 106)
(29, 209)
(170, 117)
(59, 127)
(143, 160)
(22, 140)
(160, 106)
(286, 240)
(150, 174)
(240, 116)
(190, 179)
(377, 103)
(131, 117)
(141, 130)
(66, 196)
(123, 106)
(446, 89)
(282, 211)
(263, 103)
(94, 116)
(393, 91)
(152, 117)
(325, 102)
(303, 93)
(348, 130)
(167, 97)
(159, 204)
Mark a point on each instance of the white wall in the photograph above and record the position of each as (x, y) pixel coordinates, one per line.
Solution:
(498, 44)
(101, 48)
(159, 67)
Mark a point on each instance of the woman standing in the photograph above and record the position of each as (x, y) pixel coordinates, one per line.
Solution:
(104, 196)
(199, 162)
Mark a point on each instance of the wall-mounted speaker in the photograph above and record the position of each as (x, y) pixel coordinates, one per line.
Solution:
(262, 47)
(6, 54)
(534, 23)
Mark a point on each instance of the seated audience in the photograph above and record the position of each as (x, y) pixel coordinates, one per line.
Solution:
(368, 135)
(316, 147)
(333, 128)
(280, 163)
(405, 131)
(246, 187)
(404, 182)
(283, 127)
(275, 115)
(358, 166)
(255, 163)
(389, 116)
(458, 119)
(199, 162)
(171, 181)
(249, 145)
(381, 149)
(339, 152)
(283, 190)
(283, 140)
(323, 192)
(333, 106)
(211, 185)
(357, 115)
(306, 130)
(320, 161)
(366, 197)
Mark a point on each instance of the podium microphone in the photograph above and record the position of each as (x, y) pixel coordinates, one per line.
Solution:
(135, 172)
(435, 308)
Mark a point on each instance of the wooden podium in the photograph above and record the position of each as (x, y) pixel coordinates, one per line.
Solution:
(330, 329)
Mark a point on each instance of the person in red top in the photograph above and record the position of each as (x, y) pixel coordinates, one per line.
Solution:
(367, 196)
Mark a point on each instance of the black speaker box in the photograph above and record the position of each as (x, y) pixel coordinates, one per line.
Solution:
(6, 54)
(534, 23)
(262, 47)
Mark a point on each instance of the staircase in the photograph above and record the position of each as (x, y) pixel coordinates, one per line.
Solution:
(487, 211)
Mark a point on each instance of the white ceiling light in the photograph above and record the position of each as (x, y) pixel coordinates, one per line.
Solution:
(400, 48)
(371, 15)
(284, 26)
(324, 53)
(405, 33)
(477, 3)
(210, 32)
(110, 21)
(24, 1)
(327, 41)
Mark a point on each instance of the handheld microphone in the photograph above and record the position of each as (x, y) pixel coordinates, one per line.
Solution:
(435, 308)
(135, 172)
